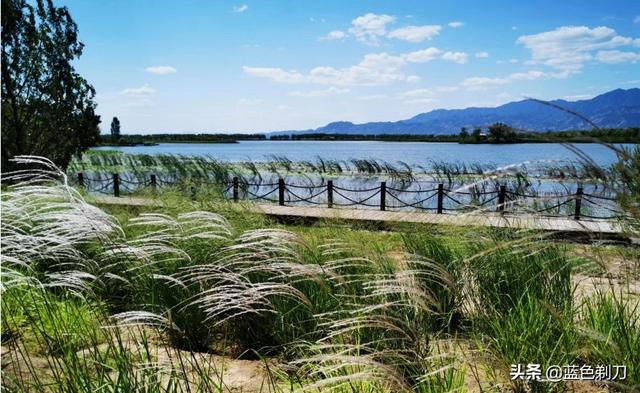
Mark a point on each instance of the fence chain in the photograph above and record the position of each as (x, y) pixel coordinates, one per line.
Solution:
(129, 185)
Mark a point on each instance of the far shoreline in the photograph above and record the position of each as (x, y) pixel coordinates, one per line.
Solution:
(510, 136)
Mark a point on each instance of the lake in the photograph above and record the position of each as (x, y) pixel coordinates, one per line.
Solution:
(412, 153)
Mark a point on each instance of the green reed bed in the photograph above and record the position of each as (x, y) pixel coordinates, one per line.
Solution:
(208, 167)
(473, 187)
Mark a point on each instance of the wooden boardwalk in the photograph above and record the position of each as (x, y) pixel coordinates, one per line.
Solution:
(486, 219)
(470, 219)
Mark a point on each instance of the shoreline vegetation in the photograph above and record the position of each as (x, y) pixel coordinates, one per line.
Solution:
(155, 139)
(495, 134)
(544, 186)
(208, 167)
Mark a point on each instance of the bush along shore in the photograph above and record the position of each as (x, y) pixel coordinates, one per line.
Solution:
(154, 139)
(204, 296)
(497, 133)
(494, 134)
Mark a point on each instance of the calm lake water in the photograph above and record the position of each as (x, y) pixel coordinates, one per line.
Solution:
(412, 153)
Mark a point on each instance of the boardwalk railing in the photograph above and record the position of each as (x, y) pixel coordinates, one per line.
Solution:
(384, 197)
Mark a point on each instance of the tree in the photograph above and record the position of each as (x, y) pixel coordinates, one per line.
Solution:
(47, 107)
(476, 135)
(463, 135)
(501, 133)
(115, 129)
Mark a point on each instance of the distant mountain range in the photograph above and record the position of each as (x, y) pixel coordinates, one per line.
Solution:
(615, 109)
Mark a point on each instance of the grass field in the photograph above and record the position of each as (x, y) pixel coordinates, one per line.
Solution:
(204, 296)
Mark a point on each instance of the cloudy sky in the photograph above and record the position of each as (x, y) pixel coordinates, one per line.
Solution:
(218, 66)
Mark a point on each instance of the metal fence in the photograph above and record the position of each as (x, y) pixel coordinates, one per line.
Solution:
(439, 200)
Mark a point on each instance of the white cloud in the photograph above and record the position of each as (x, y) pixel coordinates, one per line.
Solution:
(616, 56)
(482, 55)
(372, 97)
(578, 97)
(513, 61)
(422, 55)
(369, 27)
(483, 83)
(333, 35)
(319, 93)
(374, 69)
(161, 70)
(145, 90)
(458, 57)
(514, 28)
(240, 8)
(382, 61)
(421, 101)
(415, 93)
(456, 24)
(529, 75)
(275, 74)
(355, 75)
(416, 34)
(568, 47)
(447, 89)
(480, 83)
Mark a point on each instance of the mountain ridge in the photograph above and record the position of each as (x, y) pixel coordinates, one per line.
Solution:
(617, 108)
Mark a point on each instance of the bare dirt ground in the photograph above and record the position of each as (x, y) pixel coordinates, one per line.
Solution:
(613, 270)
(229, 375)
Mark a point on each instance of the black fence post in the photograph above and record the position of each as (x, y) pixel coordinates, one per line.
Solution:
(154, 181)
(116, 185)
(501, 198)
(80, 179)
(579, 192)
(440, 197)
(330, 193)
(383, 195)
(235, 189)
(281, 192)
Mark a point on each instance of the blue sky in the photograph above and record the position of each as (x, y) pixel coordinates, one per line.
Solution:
(253, 66)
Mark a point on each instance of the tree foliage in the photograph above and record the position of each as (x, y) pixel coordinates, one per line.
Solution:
(464, 135)
(502, 133)
(115, 128)
(476, 135)
(47, 107)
